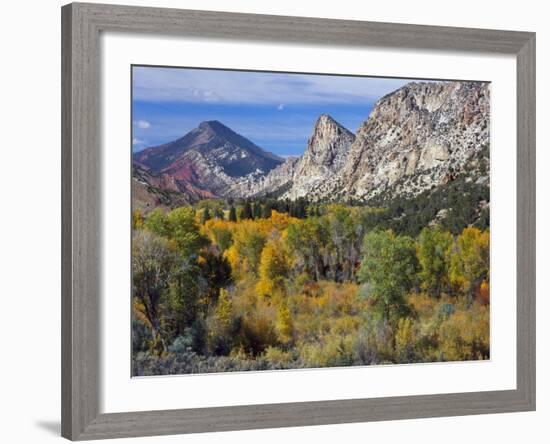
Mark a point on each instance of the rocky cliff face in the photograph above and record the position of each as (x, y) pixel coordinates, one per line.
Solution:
(325, 156)
(308, 175)
(418, 137)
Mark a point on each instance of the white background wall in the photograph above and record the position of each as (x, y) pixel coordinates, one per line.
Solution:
(30, 220)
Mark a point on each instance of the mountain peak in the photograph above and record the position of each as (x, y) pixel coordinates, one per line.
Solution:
(214, 125)
(429, 96)
(208, 157)
(327, 126)
(326, 119)
(328, 132)
(214, 128)
(328, 145)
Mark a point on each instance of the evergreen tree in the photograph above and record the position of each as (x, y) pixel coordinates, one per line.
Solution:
(266, 211)
(232, 214)
(246, 212)
(218, 213)
(257, 210)
(205, 215)
(284, 207)
(292, 209)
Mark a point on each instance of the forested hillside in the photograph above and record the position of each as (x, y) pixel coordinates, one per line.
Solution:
(229, 285)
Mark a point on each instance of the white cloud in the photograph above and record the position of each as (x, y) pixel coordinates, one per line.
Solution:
(142, 124)
(240, 87)
(281, 106)
(136, 141)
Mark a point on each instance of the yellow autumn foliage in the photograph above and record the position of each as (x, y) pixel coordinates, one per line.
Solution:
(296, 300)
(285, 326)
(469, 263)
(273, 269)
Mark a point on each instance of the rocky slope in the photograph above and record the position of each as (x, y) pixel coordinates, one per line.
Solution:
(309, 174)
(418, 137)
(207, 160)
(150, 192)
(275, 184)
(324, 158)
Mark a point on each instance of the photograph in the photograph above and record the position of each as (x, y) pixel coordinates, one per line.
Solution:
(285, 221)
(275, 222)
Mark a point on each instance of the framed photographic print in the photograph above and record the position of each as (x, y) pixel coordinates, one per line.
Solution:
(278, 221)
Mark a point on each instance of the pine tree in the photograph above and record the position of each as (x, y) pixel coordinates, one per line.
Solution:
(257, 211)
(246, 212)
(205, 215)
(266, 211)
(218, 213)
(232, 214)
(291, 209)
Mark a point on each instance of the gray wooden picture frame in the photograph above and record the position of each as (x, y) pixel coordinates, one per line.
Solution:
(81, 172)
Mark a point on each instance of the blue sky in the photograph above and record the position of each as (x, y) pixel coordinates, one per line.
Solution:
(276, 111)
